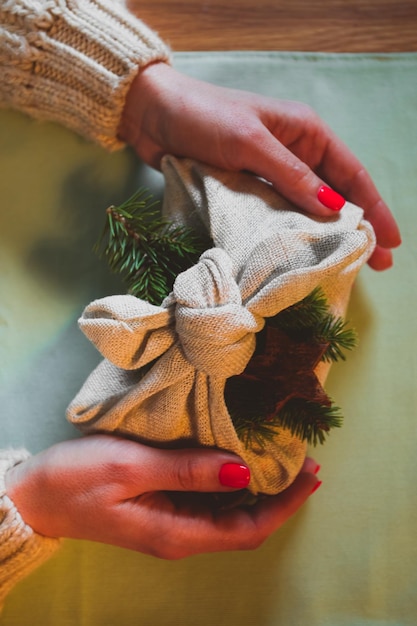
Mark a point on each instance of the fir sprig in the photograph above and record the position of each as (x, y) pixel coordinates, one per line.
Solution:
(303, 315)
(147, 250)
(250, 402)
(335, 332)
(249, 408)
(310, 420)
(255, 432)
(311, 320)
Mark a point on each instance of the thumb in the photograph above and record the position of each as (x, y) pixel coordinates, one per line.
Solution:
(191, 470)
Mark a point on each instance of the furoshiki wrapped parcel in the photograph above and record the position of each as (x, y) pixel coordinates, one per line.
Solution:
(236, 354)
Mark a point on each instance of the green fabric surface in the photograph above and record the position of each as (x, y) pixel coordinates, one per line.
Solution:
(349, 557)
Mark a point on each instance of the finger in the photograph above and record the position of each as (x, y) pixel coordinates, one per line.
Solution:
(310, 465)
(292, 177)
(294, 180)
(194, 470)
(341, 169)
(247, 529)
(273, 513)
(152, 524)
(381, 259)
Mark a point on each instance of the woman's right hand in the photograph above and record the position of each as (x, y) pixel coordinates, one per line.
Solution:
(115, 491)
(285, 142)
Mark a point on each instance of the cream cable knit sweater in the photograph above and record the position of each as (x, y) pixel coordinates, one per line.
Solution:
(21, 549)
(70, 61)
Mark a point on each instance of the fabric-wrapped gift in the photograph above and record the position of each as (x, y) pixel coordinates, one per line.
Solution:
(171, 373)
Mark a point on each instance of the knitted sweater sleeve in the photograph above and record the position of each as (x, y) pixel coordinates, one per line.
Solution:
(72, 61)
(21, 549)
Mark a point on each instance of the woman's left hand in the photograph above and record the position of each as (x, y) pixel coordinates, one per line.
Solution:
(119, 492)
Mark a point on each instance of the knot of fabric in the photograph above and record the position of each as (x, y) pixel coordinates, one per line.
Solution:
(204, 315)
(215, 330)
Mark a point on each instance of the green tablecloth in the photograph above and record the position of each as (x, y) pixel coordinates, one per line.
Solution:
(349, 557)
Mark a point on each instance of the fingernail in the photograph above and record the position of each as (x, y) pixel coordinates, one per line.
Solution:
(318, 468)
(316, 486)
(330, 199)
(234, 475)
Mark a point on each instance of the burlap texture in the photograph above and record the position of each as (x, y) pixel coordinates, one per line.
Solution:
(165, 368)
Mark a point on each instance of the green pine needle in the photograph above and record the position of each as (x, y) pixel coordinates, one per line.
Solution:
(254, 425)
(310, 420)
(303, 315)
(254, 433)
(311, 320)
(248, 408)
(145, 249)
(334, 331)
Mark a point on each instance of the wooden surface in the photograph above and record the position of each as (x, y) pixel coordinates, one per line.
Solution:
(305, 25)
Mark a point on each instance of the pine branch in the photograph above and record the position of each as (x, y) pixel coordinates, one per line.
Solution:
(310, 420)
(255, 433)
(257, 421)
(249, 408)
(334, 331)
(311, 320)
(298, 338)
(145, 249)
(255, 424)
(303, 315)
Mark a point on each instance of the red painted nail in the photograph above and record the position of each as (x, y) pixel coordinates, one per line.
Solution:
(330, 199)
(318, 468)
(316, 486)
(234, 475)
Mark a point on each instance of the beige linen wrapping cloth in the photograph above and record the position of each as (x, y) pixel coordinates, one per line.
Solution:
(163, 377)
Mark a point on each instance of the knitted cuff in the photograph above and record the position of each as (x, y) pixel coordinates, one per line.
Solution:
(73, 62)
(21, 549)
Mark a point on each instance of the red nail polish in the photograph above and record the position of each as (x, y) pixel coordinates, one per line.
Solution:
(234, 475)
(330, 199)
(318, 468)
(316, 486)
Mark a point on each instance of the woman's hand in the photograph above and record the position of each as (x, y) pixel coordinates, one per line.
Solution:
(116, 491)
(284, 142)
